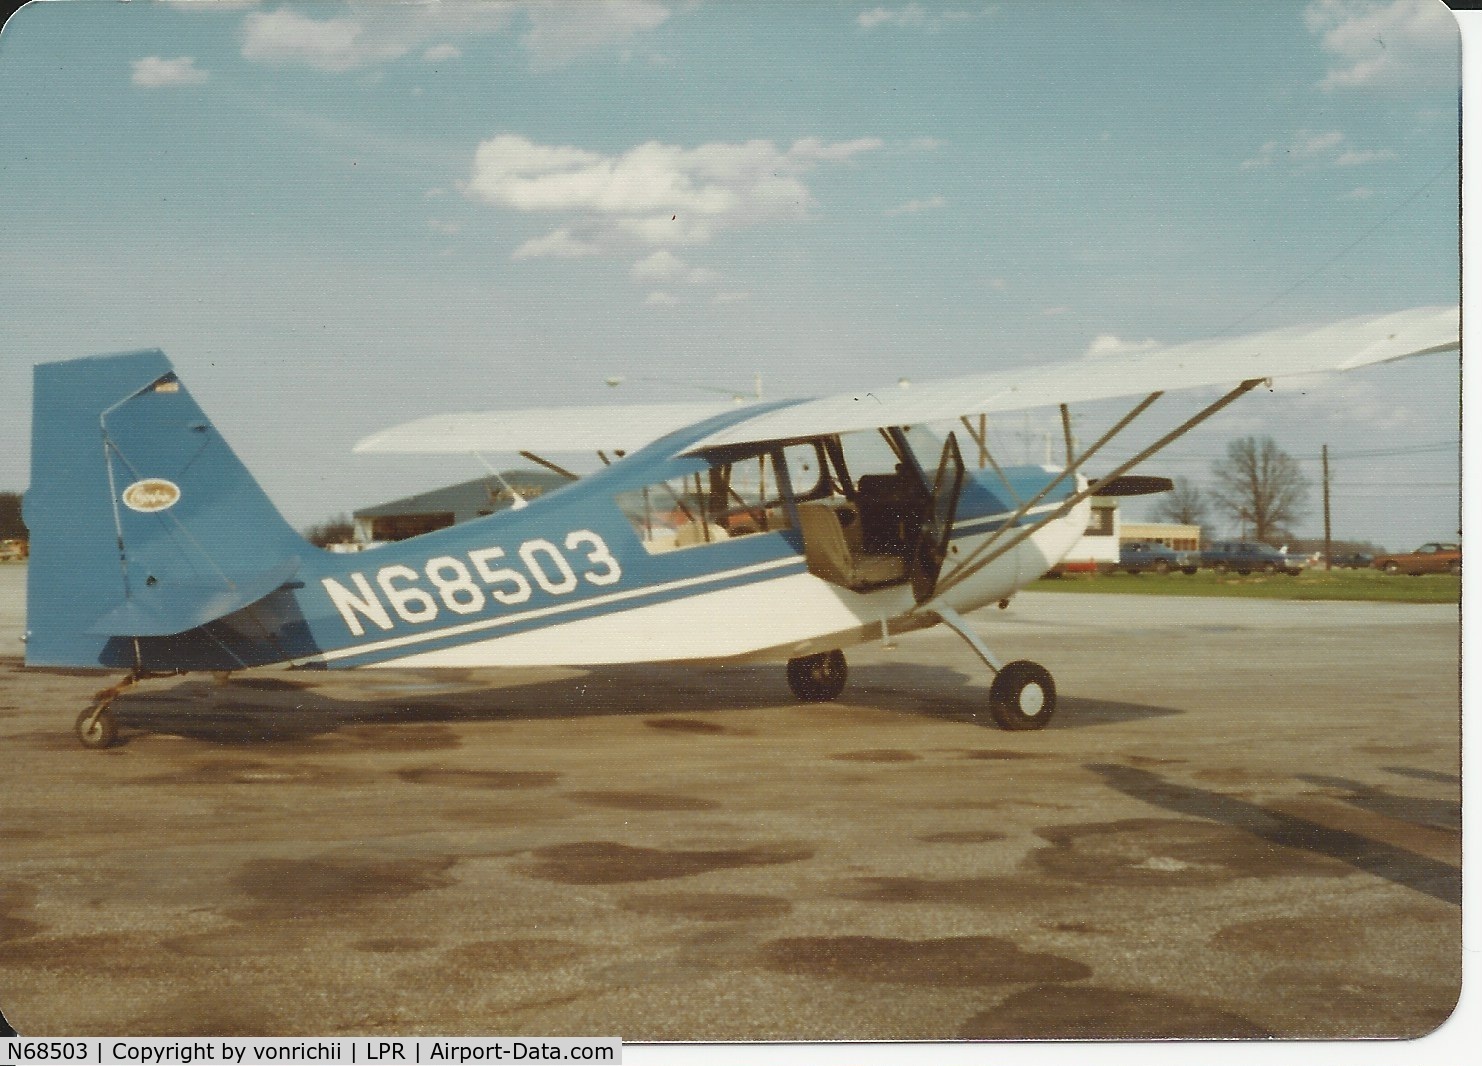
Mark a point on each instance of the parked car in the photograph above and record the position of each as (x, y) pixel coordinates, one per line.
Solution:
(1433, 558)
(1139, 556)
(1245, 556)
(1352, 560)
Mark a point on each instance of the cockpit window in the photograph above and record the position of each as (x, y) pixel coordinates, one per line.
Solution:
(731, 499)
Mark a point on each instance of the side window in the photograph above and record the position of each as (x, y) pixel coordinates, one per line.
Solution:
(711, 506)
(1101, 522)
(805, 470)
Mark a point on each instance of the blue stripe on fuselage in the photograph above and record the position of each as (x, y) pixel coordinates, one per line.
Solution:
(644, 580)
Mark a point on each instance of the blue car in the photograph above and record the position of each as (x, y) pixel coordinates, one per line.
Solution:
(1247, 556)
(1139, 556)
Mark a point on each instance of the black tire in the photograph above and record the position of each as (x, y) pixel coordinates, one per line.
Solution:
(101, 732)
(1242, 573)
(1221, 568)
(1161, 567)
(1022, 696)
(1191, 569)
(1269, 568)
(818, 678)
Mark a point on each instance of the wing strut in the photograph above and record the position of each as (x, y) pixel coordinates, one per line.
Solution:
(990, 549)
(551, 466)
(1024, 507)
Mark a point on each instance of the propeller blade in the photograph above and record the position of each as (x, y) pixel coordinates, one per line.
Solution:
(1133, 485)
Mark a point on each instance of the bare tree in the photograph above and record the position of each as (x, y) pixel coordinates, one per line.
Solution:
(337, 530)
(1184, 504)
(1261, 487)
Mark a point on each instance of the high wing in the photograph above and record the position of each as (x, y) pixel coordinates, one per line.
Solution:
(1277, 354)
(540, 429)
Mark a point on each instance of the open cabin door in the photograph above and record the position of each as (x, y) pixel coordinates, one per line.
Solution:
(930, 551)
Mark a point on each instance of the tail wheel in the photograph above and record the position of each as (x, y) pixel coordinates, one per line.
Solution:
(1022, 696)
(97, 729)
(818, 678)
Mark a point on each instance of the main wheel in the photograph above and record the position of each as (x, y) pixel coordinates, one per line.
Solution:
(1022, 696)
(97, 732)
(818, 678)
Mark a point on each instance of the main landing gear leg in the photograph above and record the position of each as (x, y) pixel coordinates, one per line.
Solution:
(96, 726)
(1022, 695)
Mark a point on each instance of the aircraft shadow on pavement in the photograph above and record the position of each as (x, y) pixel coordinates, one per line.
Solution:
(1417, 810)
(942, 692)
(251, 710)
(1436, 879)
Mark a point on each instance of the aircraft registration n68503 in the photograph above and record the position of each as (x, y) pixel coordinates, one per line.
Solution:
(784, 531)
(456, 590)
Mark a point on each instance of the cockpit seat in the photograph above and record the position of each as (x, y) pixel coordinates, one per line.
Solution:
(832, 557)
(890, 509)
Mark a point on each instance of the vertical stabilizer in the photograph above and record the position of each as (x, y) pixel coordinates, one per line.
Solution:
(143, 522)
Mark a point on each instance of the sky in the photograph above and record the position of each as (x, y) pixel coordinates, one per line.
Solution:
(334, 217)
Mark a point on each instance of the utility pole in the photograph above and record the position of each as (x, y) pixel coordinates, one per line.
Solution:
(1327, 515)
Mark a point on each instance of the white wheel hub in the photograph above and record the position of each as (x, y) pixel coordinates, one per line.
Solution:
(1031, 700)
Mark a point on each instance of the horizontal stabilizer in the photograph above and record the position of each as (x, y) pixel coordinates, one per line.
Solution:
(173, 606)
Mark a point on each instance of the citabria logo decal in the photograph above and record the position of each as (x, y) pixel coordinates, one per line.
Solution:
(151, 494)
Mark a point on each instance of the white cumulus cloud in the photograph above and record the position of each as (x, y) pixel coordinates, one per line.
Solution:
(1308, 149)
(664, 265)
(915, 207)
(335, 44)
(558, 244)
(1352, 158)
(152, 72)
(654, 195)
(1108, 344)
(916, 17)
(1401, 44)
(560, 31)
(910, 15)
(360, 35)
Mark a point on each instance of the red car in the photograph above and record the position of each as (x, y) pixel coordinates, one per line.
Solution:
(1433, 558)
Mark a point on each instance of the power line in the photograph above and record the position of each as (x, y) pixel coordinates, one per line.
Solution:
(1368, 453)
(1340, 253)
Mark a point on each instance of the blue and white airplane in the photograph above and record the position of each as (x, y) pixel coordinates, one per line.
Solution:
(776, 531)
